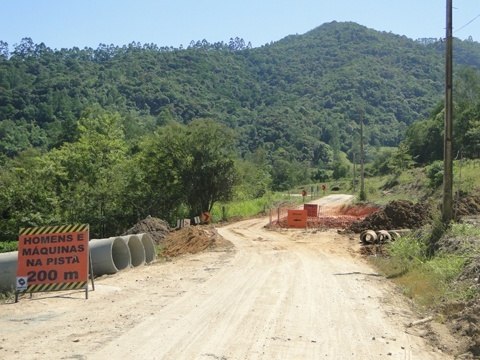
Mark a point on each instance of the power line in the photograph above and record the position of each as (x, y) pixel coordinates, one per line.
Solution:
(468, 23)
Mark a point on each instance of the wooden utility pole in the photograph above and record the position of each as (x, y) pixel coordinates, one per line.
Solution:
(363, 195)
(447, 206)
(354, 175)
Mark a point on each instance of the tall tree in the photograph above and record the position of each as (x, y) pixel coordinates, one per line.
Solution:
(27, 193)
(91, 183)
(210, 172)
(4, 51)
(157, 184)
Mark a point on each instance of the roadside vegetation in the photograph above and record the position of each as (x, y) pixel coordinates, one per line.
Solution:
(431, 280)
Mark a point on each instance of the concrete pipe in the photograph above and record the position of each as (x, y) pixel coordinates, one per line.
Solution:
(149, 247)
(401, 232)
(395, 235)
(8, 270)
(368, 237)
(137, 251)
(383, 236)
(109, 255)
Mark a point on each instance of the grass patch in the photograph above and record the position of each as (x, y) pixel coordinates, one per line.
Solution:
(465, 174)
(409, 185)
(247, 208)
(463, 230)
(428, 281)
(420, 287)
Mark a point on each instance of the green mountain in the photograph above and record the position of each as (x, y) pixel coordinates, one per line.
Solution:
(302, 96)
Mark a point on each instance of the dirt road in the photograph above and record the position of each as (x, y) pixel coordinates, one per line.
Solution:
(292, 294)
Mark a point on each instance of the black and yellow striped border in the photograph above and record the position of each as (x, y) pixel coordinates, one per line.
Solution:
(53, 229)
(55, 287)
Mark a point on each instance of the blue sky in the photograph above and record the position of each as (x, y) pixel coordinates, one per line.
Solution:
(68, 23)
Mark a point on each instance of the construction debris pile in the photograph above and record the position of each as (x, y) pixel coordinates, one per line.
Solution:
(191, 240)
(398, 214)
(157, 228)
(467, 205)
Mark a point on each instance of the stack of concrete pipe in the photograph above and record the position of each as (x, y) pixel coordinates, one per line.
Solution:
(108, 256)
(381, 236)
(117, 253)
(8, 270)
(149, 247)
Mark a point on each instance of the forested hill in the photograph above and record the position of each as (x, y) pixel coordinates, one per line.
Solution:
(292, 96)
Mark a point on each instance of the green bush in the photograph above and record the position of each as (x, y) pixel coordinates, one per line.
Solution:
(444, 268)
(6, 246)
(435, 174)
(409, 250)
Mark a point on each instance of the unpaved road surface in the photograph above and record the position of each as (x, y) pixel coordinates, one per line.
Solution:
(291, 294)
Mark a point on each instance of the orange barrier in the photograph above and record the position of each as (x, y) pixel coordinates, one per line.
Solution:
(312, 209)
(297, 218)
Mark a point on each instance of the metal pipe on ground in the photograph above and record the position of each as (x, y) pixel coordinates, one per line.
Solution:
(149, 247)
(137, 251)
(109, 255)
(8, 270)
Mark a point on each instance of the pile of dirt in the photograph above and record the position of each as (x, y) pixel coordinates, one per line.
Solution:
(193, 239)
(465, 323)
(373, 250)
(467, 205)
(332, 221)
(360, 211)
(398, 214)
(157, 228)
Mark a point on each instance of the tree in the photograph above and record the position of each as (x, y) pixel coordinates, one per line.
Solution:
(341, 166)
(4, 51)
(425, 139)
(14, 137)
(286, 171)
(25, 48)
(209, 175)
(182, 165)
(467, 108)
(91, 180)
(472, 138)
(156, 187)
(401, 159)
(254, 180)
(27, 193)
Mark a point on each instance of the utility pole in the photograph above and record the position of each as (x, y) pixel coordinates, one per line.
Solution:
(363, 195)
(447, 206)
(354, 175)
